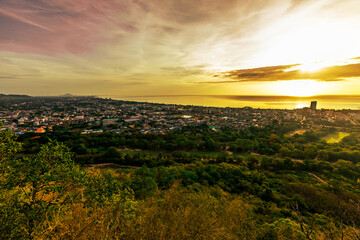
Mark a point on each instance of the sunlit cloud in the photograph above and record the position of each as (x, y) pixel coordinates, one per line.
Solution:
(290, 72)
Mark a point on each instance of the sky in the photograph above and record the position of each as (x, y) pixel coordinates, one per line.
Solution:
(180, 47)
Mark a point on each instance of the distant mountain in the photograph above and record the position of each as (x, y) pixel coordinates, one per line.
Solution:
(13, 96)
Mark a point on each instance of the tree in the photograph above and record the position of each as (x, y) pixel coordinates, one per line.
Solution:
(222, 157)
(8, 144)
(144, 183)
(306, 229)
(35, 186)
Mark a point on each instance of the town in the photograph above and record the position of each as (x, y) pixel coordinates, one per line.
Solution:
(96, 115)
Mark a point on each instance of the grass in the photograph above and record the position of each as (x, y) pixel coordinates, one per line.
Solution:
(335, 137)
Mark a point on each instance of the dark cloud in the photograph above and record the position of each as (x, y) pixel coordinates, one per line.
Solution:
(289, 72)
(272, 73)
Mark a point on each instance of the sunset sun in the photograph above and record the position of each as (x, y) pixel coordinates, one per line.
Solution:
(312, 67)
(298, 88)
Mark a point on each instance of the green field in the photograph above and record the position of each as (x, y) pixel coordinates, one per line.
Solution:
(335, 137)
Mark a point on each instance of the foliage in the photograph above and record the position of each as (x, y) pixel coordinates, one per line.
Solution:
(191, 184)
(36, 186)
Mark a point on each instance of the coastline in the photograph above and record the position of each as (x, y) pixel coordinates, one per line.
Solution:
(265, 102)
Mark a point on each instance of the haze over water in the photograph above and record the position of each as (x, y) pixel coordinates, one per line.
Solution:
(269, 102)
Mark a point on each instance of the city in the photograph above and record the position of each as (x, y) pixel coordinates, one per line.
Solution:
(95, 115)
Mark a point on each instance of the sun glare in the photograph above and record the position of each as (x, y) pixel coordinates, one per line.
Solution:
(310, 67)
(298, 88)
(313, 67)
(316, 44)
(301, 105)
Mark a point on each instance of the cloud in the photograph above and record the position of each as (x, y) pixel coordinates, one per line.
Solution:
(189, 11)
(56, 26)
(18, 76)
(287, 73)
(184, 71)
(167, 44)
(136, 83)
(271, 73)
(24, 20)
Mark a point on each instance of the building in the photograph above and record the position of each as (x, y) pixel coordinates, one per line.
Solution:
(110, 121)
(313, 105)
(40, 130)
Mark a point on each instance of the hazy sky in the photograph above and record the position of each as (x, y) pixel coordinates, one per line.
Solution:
(152, 47)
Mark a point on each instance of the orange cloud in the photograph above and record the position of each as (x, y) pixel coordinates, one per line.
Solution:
(285, 72)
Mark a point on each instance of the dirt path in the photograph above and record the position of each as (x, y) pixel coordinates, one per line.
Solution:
(298, 131)
(318, 178)
(106, 165)
(129, 149)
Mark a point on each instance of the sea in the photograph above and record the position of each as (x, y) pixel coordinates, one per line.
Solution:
(266, 102)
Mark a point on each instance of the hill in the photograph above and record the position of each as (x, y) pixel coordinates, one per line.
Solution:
(13, 96)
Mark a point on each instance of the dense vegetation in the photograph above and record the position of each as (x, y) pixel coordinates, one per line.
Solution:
(191, 184)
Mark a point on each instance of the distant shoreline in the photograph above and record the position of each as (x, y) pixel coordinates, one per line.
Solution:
(336, 102)
(241, 96)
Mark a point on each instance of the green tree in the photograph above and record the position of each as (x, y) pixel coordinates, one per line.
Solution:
(144, 184)
(35, 186)
(8, 145)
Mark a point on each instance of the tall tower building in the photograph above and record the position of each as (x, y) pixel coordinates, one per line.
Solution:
(313, 105)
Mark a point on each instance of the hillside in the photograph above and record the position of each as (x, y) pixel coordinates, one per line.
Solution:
(180, 185)
(13, 97)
